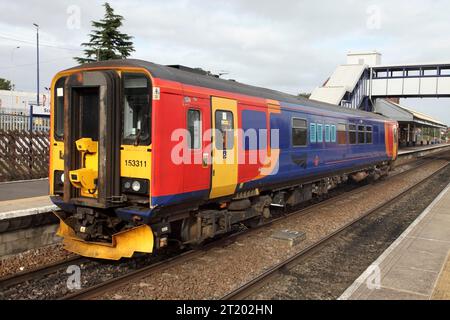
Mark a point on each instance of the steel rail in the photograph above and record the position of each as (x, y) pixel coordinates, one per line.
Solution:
(15, 279)
(21, 277)
(108, 285)
(259, 281)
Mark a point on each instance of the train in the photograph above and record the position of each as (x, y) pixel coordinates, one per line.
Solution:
(145, 156)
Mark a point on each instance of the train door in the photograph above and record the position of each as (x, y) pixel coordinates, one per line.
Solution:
(197, 171)
(395, 142)
(224, 147)
(92, 139)
(86, 100)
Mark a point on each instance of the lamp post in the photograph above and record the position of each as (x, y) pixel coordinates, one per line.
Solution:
(37, 62)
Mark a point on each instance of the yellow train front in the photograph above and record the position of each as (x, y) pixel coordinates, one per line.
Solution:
(100, 158)
(143, 154)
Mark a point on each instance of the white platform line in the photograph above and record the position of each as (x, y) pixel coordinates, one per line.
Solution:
(363, 277)
(22, 181)
(27, 212)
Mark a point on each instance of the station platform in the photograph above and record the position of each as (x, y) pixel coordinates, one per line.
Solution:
(411, 150)
(24, 198)
(26, 219)
(23, 189)
(416, 266)
(17, 208)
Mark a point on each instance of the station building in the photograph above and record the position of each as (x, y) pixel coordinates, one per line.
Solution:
(363, 83)
(18, 102)
(416, 129)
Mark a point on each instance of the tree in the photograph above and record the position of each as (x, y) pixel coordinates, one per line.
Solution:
(106, 41)
(5, 84)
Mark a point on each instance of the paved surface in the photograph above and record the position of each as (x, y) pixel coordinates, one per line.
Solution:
(416, 265)
(25, 207)
(421, 148)
(23, 189)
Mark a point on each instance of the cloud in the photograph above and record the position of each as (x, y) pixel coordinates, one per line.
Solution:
(288, 45)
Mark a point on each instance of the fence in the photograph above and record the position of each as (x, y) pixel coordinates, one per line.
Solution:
(23, 154)
(21, 121)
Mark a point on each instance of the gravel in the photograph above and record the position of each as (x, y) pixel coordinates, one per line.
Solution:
(32, 259)
(318, 276)
(221, 270)
(92, 272)
(217, 271)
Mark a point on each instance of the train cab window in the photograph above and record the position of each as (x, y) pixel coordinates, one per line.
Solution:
(89, 104)
(299, 132)
(333, 133)
(327, 133)
(194, 126)
(59, 109)
(224, 130)
(361, 135)
(319, 132)
(369, 136)
(352, 134)
(342, 133)
(312, 132)
(136, 109)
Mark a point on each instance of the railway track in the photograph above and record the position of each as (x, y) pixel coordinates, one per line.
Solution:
(95, 291)
(257, 283)
(42, 271)
(103, 287)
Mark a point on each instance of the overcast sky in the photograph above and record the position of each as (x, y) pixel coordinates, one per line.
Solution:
(292, 46)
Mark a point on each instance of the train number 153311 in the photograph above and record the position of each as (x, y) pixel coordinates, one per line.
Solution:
(136, 163)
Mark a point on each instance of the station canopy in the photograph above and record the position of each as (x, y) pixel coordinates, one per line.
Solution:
(401, 113)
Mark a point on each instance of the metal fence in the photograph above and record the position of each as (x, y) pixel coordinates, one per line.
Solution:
(20, 121)
(24, 154)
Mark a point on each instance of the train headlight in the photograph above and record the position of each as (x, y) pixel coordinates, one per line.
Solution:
(136, 186)
(58, 182)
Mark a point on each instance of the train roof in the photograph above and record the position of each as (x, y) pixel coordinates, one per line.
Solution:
(198, 77)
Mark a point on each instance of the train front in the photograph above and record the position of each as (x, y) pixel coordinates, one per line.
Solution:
(100, 160)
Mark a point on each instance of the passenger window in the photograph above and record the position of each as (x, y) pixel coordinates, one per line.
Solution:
(299, 132)
(327, 133)
(369, 134)
(342, 133)
(319, 132)
(352, 134)
(224, 130)
(194, 126)
(312, 133)
(361, 134)
(333, 133)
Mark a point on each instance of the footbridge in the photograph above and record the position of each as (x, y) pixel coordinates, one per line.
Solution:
(364, 79)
